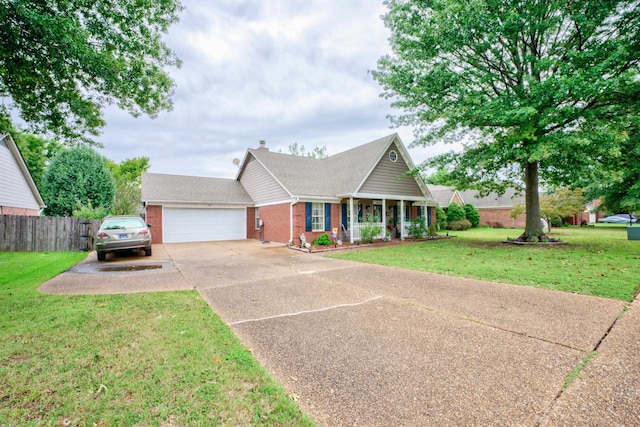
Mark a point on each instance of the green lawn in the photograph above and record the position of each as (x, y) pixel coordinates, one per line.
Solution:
(596, 261)
(138, 359)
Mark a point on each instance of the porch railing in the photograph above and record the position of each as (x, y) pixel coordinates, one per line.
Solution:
(358, 226)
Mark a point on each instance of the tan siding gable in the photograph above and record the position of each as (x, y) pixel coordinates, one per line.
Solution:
(385, 177)
(260, 185)
(14, 188)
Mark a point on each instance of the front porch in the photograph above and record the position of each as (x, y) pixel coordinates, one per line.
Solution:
(391, 218)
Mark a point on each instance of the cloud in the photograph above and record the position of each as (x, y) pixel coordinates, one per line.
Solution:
(285, 72)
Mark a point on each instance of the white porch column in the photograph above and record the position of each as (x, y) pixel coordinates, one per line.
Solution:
(425, 214)
(402, 219)
(351, 219)
(384, 216)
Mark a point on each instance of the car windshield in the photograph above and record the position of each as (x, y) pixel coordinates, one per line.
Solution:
(122, 223)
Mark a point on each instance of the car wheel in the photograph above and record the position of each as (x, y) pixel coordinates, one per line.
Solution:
(102, 256)
(147, 251)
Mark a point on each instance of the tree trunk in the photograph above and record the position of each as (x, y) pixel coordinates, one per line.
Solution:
(533, 228)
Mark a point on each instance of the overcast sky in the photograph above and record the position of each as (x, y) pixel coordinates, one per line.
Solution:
(286, 72)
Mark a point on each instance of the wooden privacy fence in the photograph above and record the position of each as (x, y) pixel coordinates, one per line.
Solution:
(46, 233)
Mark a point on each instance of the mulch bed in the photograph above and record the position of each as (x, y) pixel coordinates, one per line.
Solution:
(375, 244)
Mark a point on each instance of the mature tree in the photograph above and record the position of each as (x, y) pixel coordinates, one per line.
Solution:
(61, 62)
(128, 178)
(77, 177)
(561, 204)
(542, 86)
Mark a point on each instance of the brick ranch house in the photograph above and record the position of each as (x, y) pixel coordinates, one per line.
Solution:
(18, 192)
(278, 197)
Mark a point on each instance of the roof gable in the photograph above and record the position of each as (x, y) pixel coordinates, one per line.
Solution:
(17, 188)
(334, 176)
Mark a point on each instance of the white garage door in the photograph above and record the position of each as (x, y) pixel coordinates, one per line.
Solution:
(203, 225)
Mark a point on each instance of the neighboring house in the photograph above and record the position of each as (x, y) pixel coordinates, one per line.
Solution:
(494, 210)
(278, 197)
(444, 195)
(18, 193)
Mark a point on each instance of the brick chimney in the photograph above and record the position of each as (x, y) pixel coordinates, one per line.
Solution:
(263, 145)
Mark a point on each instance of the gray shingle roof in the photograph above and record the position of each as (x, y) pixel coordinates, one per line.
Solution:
(492, 200)
(335, 175)
(192, 189)
(441, 194)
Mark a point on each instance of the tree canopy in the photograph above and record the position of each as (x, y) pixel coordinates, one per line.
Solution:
(128, 178)
(316, 153)
(541, 89)
(561, 204)
(618, 181)
(61, 62)
(77, 177)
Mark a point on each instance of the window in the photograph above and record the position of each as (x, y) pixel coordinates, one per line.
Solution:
(393, 156)
(317, 217)
(407, 212)
(257, 218)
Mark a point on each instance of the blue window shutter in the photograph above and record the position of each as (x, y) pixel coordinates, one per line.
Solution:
(327, 216)
(345, 224)
(308, 216)
(419, 211)
(429, 215)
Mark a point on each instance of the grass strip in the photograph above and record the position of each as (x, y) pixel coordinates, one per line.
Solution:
(135, 359)
(577, 370)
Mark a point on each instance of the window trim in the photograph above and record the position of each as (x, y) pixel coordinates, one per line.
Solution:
(393, 156)
(318, 218)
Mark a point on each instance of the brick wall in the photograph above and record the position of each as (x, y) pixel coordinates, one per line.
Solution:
(154, 218)
(252, 232)
(299, 223)
(500, 218)
(276, 222)
(9, 210)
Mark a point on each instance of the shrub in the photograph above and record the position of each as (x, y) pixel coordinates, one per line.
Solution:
(441, 218)
(323, 240)
(455, 212)
(89, 212)
(472, 214)
(432, 232)
(462, 224)
(369, 231)
(418, 228)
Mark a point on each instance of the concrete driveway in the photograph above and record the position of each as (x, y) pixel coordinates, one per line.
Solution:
(378, 346)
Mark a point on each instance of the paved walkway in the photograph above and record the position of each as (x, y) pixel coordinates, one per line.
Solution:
(378, 346)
